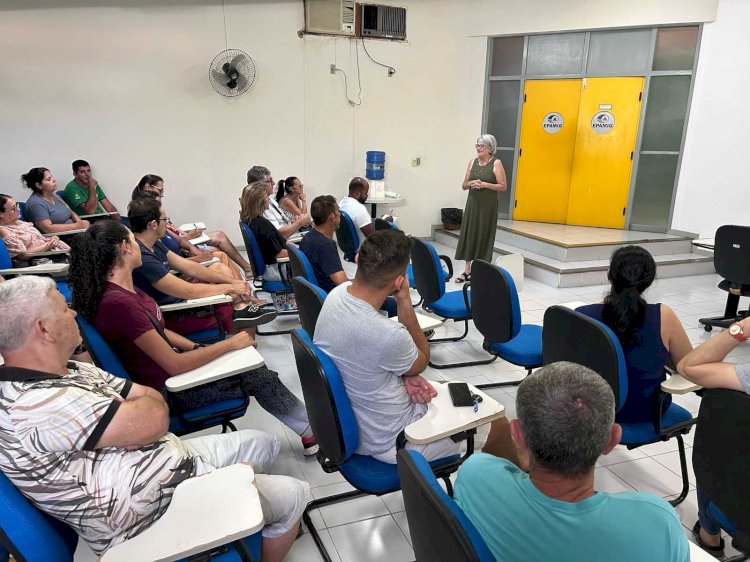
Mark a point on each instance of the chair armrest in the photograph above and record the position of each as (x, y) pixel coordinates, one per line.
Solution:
(443, 419)
(467, 300)
(97, 215)
(205, 512)
(229, 364)
(66, 233)
(41, 269)
(447, 261)
(196, 303)
(202, 239)
(677, 384)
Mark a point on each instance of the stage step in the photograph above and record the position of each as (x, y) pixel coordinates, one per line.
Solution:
(563, 264)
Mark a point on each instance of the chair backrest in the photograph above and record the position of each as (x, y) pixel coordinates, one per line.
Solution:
(61, 194)
(439, 529)
(310, 300)
(28, 533)
(5, 261)
(252, 250)
(429, 279)
(382, 224)
(21, 211)
(301, 266)
(569, 335)
(347, 237)
(171, 242)
(720, 458)
(731, 252)
(328, 408)
(494, 302)
(100, 350)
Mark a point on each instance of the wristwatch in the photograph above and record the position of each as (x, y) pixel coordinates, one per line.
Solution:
(736, 331)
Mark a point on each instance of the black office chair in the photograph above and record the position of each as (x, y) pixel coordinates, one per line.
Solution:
(572, 336)
(721, 461)
(300, 265)
(497, 315)
(310, 300)
(439, 529)
(732, 262)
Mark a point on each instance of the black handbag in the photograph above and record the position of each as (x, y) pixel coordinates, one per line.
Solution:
(451, 217)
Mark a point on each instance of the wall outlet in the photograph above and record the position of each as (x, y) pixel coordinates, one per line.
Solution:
(333, 69)
(416, 161)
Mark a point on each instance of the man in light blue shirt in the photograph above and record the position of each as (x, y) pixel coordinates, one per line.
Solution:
(565, 421)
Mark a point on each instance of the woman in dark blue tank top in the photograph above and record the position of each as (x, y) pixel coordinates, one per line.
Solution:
(651, 335)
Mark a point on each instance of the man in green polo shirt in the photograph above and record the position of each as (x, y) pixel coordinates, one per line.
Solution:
(84, 195)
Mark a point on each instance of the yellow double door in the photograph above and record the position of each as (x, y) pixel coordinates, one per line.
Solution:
(576, 150)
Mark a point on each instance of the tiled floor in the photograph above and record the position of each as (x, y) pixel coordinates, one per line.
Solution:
(571, 235)
(375, 529)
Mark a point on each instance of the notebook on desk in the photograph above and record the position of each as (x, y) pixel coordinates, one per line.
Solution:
(202, 239)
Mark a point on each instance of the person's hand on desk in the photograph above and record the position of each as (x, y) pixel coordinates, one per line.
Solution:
(241, 289)
(419, 390)
(240, 340)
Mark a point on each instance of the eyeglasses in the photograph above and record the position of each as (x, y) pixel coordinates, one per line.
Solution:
(480, 146)
(14, 208)
(165, 219)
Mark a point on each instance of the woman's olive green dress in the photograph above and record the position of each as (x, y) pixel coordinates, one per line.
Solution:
(480, 217)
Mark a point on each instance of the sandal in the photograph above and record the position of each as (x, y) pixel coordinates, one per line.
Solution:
(463, 278)
(715, 551)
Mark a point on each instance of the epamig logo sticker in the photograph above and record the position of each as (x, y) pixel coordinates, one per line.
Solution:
(552, 123)
(602, 122)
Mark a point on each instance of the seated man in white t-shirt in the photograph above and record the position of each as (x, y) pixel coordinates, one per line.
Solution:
(277, 218)
(354, 206)
(380, 360)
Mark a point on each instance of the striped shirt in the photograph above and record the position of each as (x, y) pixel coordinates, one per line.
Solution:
(49, 426)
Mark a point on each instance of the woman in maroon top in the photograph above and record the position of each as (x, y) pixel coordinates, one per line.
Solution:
(102, 263)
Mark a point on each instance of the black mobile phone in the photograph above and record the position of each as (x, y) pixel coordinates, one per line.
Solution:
(460, 394)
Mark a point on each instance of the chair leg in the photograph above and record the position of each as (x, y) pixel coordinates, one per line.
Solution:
(315, 504)
(462, 336)
(228, 426)
(683, 467)
(448, 486)
(501, 384)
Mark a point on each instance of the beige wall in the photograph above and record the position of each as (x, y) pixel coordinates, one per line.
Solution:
(124, 85)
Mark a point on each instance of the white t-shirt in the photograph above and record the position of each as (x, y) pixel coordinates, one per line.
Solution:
(371, 353)
(275, 216)
(358, 212)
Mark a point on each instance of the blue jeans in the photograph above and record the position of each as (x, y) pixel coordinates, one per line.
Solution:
(707, 521)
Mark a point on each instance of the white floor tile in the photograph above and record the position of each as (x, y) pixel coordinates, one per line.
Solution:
(672, 462)
(356, 509)
(647, 475)
(304, 549)
(403, 522)
(621, 454)
(394, 501)
(372, 540)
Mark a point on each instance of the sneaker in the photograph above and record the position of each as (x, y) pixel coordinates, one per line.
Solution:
(310, 446)
(252, 315)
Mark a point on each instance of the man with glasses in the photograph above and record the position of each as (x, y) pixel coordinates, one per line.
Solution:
(285, 226)
(84, 194)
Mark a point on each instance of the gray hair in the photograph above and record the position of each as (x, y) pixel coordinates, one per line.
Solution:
(566, 412)
(489, 141)
(257, 173)
(23, 301)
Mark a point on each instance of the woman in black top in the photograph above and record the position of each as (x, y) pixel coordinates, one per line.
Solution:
(253, 204)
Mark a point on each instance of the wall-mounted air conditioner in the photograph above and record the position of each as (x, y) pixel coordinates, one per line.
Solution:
(387, 22)
(330, 17)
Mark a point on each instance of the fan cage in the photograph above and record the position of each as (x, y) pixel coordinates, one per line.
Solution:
(244, 65)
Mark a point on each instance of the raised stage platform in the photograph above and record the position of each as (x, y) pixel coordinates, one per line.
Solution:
(573, 256)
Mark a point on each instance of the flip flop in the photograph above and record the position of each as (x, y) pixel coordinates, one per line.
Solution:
(715, 551)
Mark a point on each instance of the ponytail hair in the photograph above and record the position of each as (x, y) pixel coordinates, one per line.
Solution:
(284, 187)
(631, 272)
(93, 254)
(33, 177)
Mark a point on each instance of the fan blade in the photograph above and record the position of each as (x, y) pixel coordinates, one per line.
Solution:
(241, 82)
(218, 76)
(237, 60)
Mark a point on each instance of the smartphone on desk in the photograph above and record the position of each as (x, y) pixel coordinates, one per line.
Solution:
(460, 394)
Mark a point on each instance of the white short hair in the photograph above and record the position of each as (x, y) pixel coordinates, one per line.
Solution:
(23, 301)
(489, 141)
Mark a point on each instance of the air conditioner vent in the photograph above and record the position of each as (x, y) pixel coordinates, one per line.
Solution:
(329, 17)
(386, 22)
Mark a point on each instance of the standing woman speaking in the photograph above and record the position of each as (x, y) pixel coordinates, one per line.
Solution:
(485, 176)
